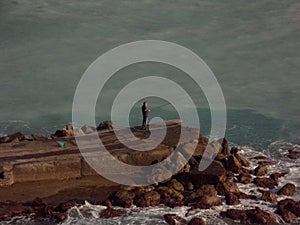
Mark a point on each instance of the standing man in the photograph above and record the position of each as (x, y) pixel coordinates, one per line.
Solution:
(145, 115)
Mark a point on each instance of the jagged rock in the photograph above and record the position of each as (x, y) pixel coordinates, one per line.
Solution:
(197, 221)
(110, 212)
(242, 195)
(293, 154)
(234, 214)
(231, 199)
(214, 174)
(88, 129)
(261, 170)
(260, 217)
(269, 197)
(242, 160)
(233, 164)
(189, 186)
(175, 185)
(105, 125)
(8, 210)
(234, 150)
(288, 209)
(202, 191)
(277, 175)
(63, 207)
(227, 187)
(288, 190)
(147, 199)
(173, 219)
(208, 201)
(256, 216)
(13, 137)
(245, 178)
(265, 182)
(167, 193)
(123, 198)
(58, 217)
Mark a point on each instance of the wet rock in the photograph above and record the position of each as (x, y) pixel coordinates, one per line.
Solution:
(233, 164)
(260, 217)
(277, 175)
(227, 187)
(214, 174)
(207, 202)
(167, 193)
(234, 214)
(293, 154)
(105, 125)
(202, 191)
(147, 199)
(261, 170)
(288, 209)
(265, 182)
(58, 217)
(242, 160)
(173, 219)
(245, 178)
(123, 198)
(232, 199)
(256, 216)
(175, 185)
(269, 197)
(234, 150)
(65, 206)
(242, 195)
(13, 137)
(189, 186)
(110, 212)
(197, 221)
(288, 190)
(8, 210)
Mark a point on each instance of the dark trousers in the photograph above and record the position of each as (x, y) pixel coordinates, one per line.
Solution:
(144, 122)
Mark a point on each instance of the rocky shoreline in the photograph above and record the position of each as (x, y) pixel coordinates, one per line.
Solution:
(215, 186)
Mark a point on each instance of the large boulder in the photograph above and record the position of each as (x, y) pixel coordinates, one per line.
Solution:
(265, 182)
(233, 164)
(227, 187)
(232, 199)
(123, 198)
(173, 219)
(288, 209)
(206, 189)
(288, 190)
(197, 221)
(261, 170)
(147, 199)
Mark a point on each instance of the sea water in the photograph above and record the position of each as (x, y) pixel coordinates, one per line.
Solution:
(252, 48)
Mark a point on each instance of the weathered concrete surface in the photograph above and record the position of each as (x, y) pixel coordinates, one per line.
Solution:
(41, 160)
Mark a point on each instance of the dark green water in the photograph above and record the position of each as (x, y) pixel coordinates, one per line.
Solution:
(251, 46)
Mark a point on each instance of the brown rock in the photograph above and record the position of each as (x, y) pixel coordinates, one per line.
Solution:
(147, 199)
(265, 182)
(202, 191)
(234, 214)
(288, 209)
(260, 170)
(214, 174)
(173, 219)
(175, 185)
(58, 217)
(260, 217)
(269, 197)
(232, 199)
(110, 212)
(242, 160)
(208, 201)
(167, 193)
(242, 195)
(234, 150)
(288, 190)
(197, 221)
(123, 198)
(233, 164)
(8, 210)
(277, 175)
(227, 187)
(245, 178)
(65, 206)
